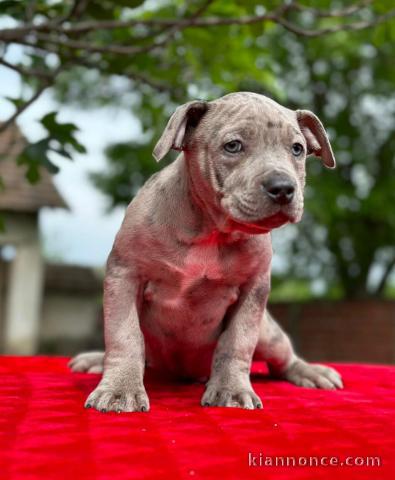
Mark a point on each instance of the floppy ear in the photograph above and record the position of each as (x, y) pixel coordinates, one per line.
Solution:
(316, 137)
(187, 115)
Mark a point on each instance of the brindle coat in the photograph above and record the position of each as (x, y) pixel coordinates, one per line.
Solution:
(188, 277)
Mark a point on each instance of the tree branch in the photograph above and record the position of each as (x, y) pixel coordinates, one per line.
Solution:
(13, 34)
(30, 9)
(341, 13)
(354, 26)
(32, 72)
(88, 47)
(23, 107)
(182, 24)
(141, 78)
(123, 49)
(76, 10)
(47, 83)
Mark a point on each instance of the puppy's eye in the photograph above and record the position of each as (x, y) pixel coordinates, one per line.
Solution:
(297, 149)
(235, 146)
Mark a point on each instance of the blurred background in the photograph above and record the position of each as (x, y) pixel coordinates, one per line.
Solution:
(87, 86)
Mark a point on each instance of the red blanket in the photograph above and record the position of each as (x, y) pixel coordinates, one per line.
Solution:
(45, 433)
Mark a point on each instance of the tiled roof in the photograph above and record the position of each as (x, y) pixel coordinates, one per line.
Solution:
(17, 194)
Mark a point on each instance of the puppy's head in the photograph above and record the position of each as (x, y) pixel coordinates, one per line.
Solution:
(249, 152)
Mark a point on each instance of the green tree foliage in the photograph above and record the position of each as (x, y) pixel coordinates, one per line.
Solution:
(349, 80)
(334, 57)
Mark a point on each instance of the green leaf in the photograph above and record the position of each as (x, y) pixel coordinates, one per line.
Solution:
(63, 133)
(33, 173)
(9, 6)
(63, 152)
(16, 101)
(35, 157)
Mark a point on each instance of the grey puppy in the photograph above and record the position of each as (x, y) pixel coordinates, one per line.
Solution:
(188, 277)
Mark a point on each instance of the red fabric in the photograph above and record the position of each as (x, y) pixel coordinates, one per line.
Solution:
(45, 433)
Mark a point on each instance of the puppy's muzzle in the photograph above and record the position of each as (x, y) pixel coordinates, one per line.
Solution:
(279, 187)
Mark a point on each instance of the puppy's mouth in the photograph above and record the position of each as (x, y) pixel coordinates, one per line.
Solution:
(264, 225)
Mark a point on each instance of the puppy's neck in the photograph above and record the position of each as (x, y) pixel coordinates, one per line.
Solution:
(207, 223)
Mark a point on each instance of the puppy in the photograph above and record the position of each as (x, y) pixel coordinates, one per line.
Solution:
(188, 277)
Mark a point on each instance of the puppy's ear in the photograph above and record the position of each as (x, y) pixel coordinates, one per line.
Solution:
(316, 137)
(185, 116)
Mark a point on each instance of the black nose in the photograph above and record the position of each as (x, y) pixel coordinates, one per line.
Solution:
(280, 188)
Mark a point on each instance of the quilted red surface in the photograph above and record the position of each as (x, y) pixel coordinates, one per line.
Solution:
(45, 433)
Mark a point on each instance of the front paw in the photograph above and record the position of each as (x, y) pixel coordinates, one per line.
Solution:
(217, 395)
(111, 399)
(307, 375)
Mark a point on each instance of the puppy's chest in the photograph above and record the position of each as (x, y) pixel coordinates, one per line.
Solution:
(203, 262)
(203, 275)
(214, 262)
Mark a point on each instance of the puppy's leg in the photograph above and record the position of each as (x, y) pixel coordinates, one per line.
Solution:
(276, 349)
(229, 384)
(121, 389)
(89, 362)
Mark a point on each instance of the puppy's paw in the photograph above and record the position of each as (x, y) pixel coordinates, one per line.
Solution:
(109, 399)
(223, 396)
(90, 362)
(307, 375)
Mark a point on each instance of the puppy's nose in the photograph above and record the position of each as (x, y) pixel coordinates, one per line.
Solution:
(280, 188)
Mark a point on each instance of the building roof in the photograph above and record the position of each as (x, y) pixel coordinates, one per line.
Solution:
(73, 278)
(17, 194)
